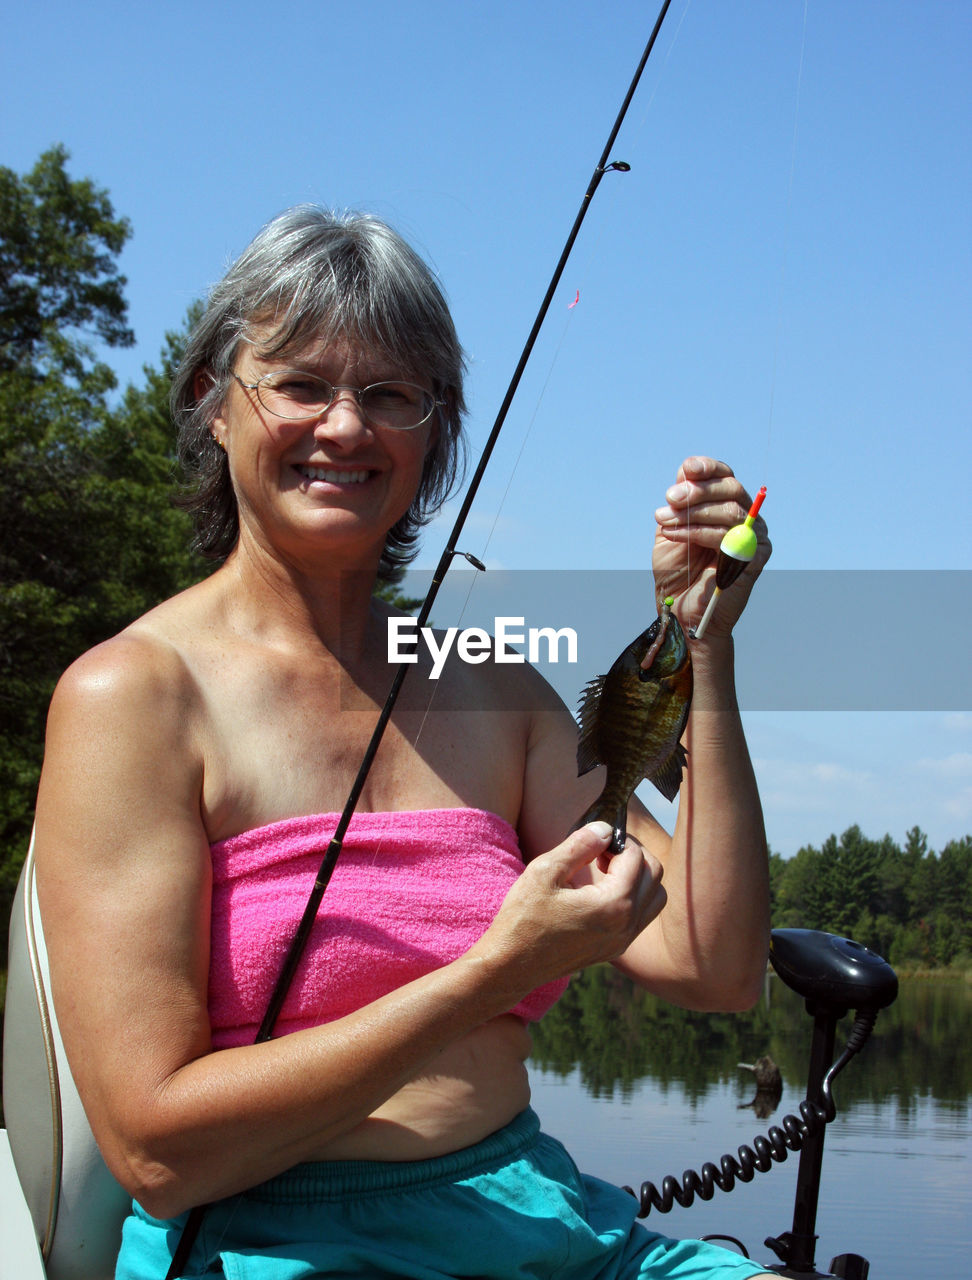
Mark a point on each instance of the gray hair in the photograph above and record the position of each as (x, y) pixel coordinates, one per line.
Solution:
(317, 276)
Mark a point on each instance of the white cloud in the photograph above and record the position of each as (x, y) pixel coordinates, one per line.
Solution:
(818, 775)
(958, 765)
(804, 784)
(840, 775)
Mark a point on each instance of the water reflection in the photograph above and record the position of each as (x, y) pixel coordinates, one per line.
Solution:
(637, 1089)
(617, 1035)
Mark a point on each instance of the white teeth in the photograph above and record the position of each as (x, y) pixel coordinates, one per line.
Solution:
(334, 477)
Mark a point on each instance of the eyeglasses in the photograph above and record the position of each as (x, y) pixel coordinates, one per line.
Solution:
(297, 396)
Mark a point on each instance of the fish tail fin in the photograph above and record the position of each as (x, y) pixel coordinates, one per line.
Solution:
(617, 820)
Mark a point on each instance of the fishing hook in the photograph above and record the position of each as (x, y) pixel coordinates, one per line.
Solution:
(302, 933)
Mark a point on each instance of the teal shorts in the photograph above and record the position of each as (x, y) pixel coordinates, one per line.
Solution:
(512, 1207)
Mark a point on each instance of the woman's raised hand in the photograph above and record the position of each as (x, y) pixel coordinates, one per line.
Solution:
(703, 504)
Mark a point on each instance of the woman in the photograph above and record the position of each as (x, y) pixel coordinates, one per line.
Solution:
(196, 762)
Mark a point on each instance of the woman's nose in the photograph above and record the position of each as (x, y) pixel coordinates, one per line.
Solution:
(343, 416)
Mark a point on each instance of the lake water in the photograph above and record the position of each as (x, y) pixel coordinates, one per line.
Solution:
(638, 1091)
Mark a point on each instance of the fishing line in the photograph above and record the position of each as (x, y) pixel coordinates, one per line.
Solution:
(787, 234)
(526, 435)
(474, 579)
(793, 1133)
(329, 861)
(640, 127)
(590, 255)
(739, 545)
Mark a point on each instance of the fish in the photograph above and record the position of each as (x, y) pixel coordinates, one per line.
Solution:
(632, 719)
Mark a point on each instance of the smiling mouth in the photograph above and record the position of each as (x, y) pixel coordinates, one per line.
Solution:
(333, 476)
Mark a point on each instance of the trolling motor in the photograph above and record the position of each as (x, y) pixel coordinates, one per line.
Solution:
(834, 975)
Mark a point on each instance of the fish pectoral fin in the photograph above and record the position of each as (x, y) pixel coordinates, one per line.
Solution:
(587, 717)
(668, 776)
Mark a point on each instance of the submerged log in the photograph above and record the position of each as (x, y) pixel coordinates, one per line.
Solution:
(766, 1071)
(769, 1086)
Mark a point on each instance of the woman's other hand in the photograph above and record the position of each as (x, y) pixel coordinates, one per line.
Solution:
(573, 907)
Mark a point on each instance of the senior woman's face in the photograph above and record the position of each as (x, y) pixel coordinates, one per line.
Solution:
(337, 476)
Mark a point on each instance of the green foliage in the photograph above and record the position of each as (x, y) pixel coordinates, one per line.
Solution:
(912, 905)
(389, 590)
(58, 280)
(88, 535)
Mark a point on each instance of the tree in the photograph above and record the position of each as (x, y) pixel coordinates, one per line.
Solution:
(803, 899)
(390, 590)
(88, 536)
(59, 239)
(853, 877)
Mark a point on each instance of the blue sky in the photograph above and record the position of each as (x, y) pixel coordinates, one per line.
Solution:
(783, 280)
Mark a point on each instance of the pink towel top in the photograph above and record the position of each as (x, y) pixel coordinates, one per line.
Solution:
(411, 892)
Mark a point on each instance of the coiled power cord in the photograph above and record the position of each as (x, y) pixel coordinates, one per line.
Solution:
(773, 1147)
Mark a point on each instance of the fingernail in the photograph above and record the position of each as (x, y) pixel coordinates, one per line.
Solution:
(603, 830)
(677, 492)
(665, 515)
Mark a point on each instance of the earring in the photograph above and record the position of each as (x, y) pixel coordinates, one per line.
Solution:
(218, 441)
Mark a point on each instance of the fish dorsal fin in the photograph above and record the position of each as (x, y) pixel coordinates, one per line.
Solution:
(668, 776)
(587, 716)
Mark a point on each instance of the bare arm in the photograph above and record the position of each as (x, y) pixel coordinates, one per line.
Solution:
(123, 874)
(707, 949)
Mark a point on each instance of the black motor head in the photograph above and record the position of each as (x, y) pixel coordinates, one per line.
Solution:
(831, 970)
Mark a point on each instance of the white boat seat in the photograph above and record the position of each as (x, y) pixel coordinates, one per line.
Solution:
(76, 1206)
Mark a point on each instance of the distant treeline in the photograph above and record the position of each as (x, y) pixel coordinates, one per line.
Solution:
(912, 905)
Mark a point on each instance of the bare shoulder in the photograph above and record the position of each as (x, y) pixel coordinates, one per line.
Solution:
(120, 751)
(147, 669)
(136, 665)
(107, 699)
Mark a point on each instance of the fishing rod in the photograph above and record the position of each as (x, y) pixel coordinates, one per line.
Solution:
(298, 942)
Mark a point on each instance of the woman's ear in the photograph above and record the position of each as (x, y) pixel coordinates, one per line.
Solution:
(202, 384)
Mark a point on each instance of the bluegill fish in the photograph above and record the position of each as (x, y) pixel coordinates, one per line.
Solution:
(631, 721)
